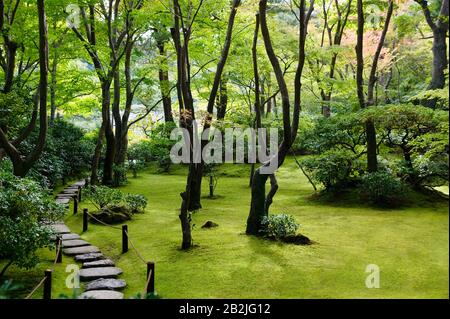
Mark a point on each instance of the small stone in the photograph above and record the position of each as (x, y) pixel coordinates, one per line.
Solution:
(89, 257)
(81, 250)
(74, 243)
(99, 263)
(101, 294)
(97, 273)
(106, 284)
(210, 224)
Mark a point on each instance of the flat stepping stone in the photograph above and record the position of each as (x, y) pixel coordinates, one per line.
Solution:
(66, 195)
(81, 250)
(80, 183)
(99, 263)
(98, 273)
(106, 284)
(70, 236)
(63, 201)
(82, 258)
(101, 294)
(73, 187)
(74, 243)
(70, 192)
(61, 229)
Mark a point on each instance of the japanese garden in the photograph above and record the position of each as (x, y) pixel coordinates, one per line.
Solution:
(224, 149)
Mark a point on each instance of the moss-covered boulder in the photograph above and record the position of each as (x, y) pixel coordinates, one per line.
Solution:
(113, 215)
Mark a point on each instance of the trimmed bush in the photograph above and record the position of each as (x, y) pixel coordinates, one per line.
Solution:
(279, 226)
(136, 203)
(381, 188)
(103, 196)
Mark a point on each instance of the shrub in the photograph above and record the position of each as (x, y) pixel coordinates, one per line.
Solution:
(156, 149)
(140, 152)
(26, 211)
(306, 134)
(103, 196)
(67, 153)
(279, 226)
(136, 203)
(334, 169)
(381, 188)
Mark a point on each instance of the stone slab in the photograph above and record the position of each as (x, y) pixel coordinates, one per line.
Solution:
(89, 257)
(63, 201)
(88, 274)
(80, 183)
(66, 196)
(61, 229)
(74, 243)
(99, 263)
(81, 250)
(106, 284)
(70, 192)
(101, 294)
(70, 236)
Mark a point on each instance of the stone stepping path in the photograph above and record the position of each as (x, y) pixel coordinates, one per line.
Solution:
(99, 263)
(74, 243)
(101, 294)
(80, 250)
(99, 273)
(106, 284)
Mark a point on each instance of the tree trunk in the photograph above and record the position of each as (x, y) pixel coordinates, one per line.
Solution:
(326, 109)
(21, 163)
(211, 186)
(196, 187)
(110, 152)
(440, 64)
(97, 154)
(252, 174)
(258, 204)
(53, 91)
(371, 135)
(164, 83)
(222, 98)
(372, 156)
(11, 52)
(106, 98)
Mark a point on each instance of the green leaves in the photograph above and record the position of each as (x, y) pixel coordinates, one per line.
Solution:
(279, 226)
(137, 203)
(26, 211)
(103, 196)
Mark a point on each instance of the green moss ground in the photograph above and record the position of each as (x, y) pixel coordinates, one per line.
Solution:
(410, 245)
